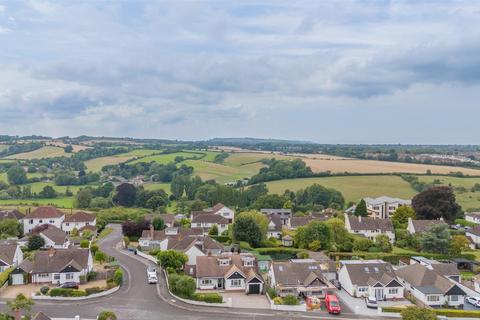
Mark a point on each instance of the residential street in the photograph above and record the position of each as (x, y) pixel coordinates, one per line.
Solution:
(138, 301)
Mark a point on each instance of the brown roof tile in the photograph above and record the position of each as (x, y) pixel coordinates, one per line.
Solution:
(368, 223)
(423, 225)
(44, 213)
(7, 253)
(80, 216)
(55, 260)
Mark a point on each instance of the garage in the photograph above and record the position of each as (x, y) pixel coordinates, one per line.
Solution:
(254, 288)
(17, 279)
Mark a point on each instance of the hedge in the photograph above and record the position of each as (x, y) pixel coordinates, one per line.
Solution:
(441, 312)
(209, 297)
(394, 258)
(63, 292)
(4, 276)
(222, 239)
(93, 290)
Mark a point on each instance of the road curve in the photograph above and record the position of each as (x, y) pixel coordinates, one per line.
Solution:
(136, 300)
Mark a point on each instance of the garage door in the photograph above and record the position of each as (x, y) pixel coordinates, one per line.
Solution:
(254, 288)
(17, 279)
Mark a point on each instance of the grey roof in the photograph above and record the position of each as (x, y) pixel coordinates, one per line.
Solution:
(423, 225)
(7, 253)
(296, 222)
(446, 269)
(277, 222)
(385, 199)
(475, 231)
(55, 234)
(11, 214)
(364, 273)
(41, 316)
(160, 235)
(368, 223)
(209, 266)
(211, 244)
(288, 273)
(429, 290)
(202, 217)
(276, 211)
(55, 260)
(473, 215)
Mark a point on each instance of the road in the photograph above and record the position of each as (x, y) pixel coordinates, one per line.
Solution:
(136, 300)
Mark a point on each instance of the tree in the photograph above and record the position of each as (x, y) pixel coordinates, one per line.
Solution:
(361, 209)
(134, 228)
(20, 303)
(35, 242)
(125, 195)
(435, 203)
(458, 244)
(48, 192)
(100, 257)
(68, 149)
(9, 228)
(246, 228)
(181, 285)
(340, 236)
(155, 202)
(16, 175)
(273, 201)
(383, 242)
(314, 231)
(172, 259)
(401, 215)
(84, 244)
(417, 313)
(83, 198)
(436, 239)
(177, 186)
(213, 230)
(158, 223)
(107, 315)
(362, 244)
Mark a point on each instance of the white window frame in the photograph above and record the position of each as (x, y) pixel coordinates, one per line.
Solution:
(236, 282)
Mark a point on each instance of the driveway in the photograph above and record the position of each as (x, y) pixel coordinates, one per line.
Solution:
(358, 306)
(241, 300)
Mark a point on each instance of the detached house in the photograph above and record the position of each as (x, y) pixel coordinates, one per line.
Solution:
(283, 214)
(11, 214)
(370, 227)
(10, 256)
(300, 277)
(159, 239)
(473, 217)
(43, 215)
(474, 235)
(229, 272)
(428, 285)
(275, 226)
(221, 210)
(79, 220)
(418, 226)
(55, 266)
(376, 278)
(207, 220)
(54, 237)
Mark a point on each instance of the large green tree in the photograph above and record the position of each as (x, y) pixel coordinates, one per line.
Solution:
(125, 195)
(401, 215)
(172, 259)
(16, 175)
(247, 227)
(314, 231)
(361, 209)
(436, 239)
(35, 242)
(9, 228)
(436, 203)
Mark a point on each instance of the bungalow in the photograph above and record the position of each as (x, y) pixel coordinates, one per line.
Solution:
(195, 247)
(55, 266)
(383, 207)
(10, 256)
(418, 226)
(430, 287)
(229, 272)
(159, 239)
(296, 222)
(448, 270)
(206, 221)
(369, 227)
(54, 237)
(474, 235)
(43, 215)
(78, 220)
(284, 214)
(473, 217)
(376, 278)
(299, 277)
(275, 224)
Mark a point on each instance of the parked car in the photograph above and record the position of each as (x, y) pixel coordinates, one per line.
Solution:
(474, 300)
(332, 304)
(151, 271)
(371, 302)
(69, 285)
(337, 284)
(152, 279)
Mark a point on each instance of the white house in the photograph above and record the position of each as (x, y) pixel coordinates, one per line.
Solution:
(284, 214)
(300, 277)
(222, 210)
(376, 278)
(53, 237)
(384, 207)
(55, 266)
(10, 256)
(275, 226)
(195, 247)
(229, 272)
(419, 226)
(78, 221)
(160, 239)
(473, 217)
(43, 215)
(474, 235)
(369, 227)
(430, 286)
(208, 220)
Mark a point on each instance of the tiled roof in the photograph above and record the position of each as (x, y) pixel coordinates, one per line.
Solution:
(80, 216)
(208, 266)
(365, 272)
(45, 213)
(53, 233)
(423, 225)
(385, 199)
(41, 316)
(298, 273)
(475, 231)
(11, 214)
(367, 223)
(7, 253)
(55, 260)
(208, 218)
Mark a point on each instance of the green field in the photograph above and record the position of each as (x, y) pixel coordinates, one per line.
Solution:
(44, 152)
(38, 186)
(353, 188)
(220, 172)
(96, 165)
(166, 158)
(3, 146)
(466, 198)
(66, 202)
(138, 153)
(3, 177)
(157, 186)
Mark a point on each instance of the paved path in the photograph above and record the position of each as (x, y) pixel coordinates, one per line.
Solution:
(138, 301)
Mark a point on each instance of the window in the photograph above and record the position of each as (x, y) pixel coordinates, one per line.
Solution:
(433, 298)
(31, 221)
(393, 291)
(236, 282)
(453, 298)
(224, 262)
(362, 289)
(69, 276)
(67, 224)
(51, 221)
(56, 276)
(40, 221)
(43, 275)
(206, 282)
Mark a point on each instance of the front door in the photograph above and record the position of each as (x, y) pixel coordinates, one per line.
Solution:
(379, 293)
(220, 284)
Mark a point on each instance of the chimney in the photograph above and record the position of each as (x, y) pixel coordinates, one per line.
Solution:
(152, 231)
(51, 252)
(77, 317)
(360, 218)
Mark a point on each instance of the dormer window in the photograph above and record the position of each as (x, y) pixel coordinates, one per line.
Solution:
(248, 263)
(224, 262)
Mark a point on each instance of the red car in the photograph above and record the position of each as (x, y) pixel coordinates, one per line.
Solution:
(332, 304)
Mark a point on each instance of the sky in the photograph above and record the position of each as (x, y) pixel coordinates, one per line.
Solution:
(323, 71)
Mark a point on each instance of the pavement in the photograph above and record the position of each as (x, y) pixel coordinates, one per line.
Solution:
(136, 300)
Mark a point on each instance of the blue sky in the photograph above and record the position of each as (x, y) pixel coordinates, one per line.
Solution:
(324, 71)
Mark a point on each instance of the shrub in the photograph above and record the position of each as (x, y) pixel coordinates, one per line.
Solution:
(272, 293)
(84, 244)
(209, 297)
(118, 276)
(278, 300)
(91, 276)
(44, 290)
(100, 257)
(245, 245)
(290, 300)
(94, 249)
(303, 255)
(184, 286)
(93, 290)
(62, 292)
(4, 276)
(107, 315)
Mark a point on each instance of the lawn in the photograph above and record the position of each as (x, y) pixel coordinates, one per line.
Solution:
(44, 152)
(353, 188)
(157, 186)
(166, 158)
(65, 202)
